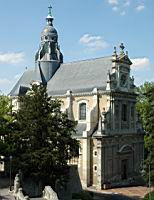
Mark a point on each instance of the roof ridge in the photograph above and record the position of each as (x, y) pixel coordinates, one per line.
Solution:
(90, 59)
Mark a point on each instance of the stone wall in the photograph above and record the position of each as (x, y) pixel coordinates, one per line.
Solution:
(121, 159)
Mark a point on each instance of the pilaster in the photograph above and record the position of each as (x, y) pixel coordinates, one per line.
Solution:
(92, 112)
(120, 111)
(86, 162)
(99, 164)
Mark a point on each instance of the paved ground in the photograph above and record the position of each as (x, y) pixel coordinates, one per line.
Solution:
(127, 193)
(4, 188)
(5, 194)
(124, 193)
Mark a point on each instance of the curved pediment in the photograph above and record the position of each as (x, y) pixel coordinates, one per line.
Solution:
(126, 149)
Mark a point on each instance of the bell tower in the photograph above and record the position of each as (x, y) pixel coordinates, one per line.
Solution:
(48, 58)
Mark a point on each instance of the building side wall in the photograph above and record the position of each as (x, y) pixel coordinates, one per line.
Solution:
(100, 159)
(115, 150)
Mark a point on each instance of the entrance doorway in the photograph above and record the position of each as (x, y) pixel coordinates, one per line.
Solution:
(124, 168)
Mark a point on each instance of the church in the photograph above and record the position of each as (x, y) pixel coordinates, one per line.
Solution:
(100, 95)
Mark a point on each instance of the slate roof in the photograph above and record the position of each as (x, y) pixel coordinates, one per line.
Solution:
(24, 82)
(80, 128)
(79, 76)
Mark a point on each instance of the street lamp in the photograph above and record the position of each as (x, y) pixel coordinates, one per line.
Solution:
(10, 171)
(149, 182)
(149, 178)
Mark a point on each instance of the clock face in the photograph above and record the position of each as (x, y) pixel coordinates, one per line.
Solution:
(123, 80)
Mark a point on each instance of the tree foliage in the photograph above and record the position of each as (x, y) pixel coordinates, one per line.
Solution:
(145, 107)
(41, 137)
(6, 120)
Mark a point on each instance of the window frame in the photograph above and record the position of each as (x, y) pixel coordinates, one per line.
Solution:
(78, 110)
(82, 111)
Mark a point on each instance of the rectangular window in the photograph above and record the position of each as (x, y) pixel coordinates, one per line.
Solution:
(82, 111)
(124, 112)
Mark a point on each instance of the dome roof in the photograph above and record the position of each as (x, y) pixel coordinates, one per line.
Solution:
(49, 33)
(49, 30)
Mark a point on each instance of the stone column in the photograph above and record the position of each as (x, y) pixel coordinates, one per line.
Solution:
(136, 119)
(113, 114)
(120, 115)
(69, 104)
(130, 117)
(99, 164)
(85, 161)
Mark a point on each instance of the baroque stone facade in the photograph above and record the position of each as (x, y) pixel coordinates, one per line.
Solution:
(99, 94)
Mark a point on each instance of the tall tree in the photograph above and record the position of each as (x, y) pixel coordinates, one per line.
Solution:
(43, 137)
(145, 107)
(6, 119)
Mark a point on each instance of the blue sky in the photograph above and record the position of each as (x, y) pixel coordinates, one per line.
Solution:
(86, 28)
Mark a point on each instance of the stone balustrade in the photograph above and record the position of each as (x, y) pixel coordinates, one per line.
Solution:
(49, 194)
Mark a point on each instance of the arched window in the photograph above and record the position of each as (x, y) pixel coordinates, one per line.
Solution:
(82, 111)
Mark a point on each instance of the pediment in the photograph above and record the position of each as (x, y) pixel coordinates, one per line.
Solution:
(125, 149)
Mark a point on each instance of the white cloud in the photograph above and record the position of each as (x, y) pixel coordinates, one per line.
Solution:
(140, 63)
(115, 8)
(4, 81)
(127, 3)
(117, 5)
(113, 2)
(11, 57)
(140, 7)
(120, 6)
(93, 43)
(122, 13)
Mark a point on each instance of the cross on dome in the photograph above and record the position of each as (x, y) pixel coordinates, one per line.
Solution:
(49, 18)
(49, 10)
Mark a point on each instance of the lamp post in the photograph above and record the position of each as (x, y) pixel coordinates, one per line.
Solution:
(149, 182)
(149, 178)
(10, 171)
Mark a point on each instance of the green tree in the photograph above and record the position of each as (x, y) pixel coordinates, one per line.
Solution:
(145, 107)
(6, 120)
(42, 137)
